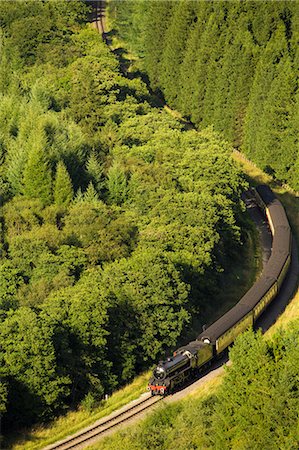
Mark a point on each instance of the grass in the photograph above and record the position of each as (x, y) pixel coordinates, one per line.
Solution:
(130, 437)
(124, 439)
(72, 422)
(290, 200)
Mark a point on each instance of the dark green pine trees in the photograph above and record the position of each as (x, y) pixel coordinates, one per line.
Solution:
(157, 17)
(233, 65)
(174, 47)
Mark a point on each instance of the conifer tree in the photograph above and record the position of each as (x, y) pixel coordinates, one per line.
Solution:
(277, 127)
(191, 88)
(255, 125)
(117, 184)
(157, 19)
(95, 171)
(174, 47)
(91, 195)
(37, 177)
(63, 188)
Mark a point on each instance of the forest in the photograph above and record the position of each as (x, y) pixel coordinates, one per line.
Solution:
(117, 222)
(232, 65)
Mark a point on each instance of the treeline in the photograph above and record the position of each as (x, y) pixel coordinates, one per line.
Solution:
(255, 407)
(116, 223)
(230, 64)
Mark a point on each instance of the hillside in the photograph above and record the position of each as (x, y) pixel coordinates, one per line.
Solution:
(253, 404)
(118, 224)
(233, 65)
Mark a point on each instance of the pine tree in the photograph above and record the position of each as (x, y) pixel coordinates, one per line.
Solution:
(95, 171)
(255, 124)
(191, 86)
(158, 15)
(117, 184)
(91, 195)
(277, 127)
(174, 47)
(37, 177)
(63, 188)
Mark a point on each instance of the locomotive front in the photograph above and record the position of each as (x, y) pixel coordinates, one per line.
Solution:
(166, 372)
(158, 384)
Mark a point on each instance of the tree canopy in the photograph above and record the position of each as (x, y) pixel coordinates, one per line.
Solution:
(233, 65)
(116, 221)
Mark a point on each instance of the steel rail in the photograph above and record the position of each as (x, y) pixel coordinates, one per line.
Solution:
(96, 430)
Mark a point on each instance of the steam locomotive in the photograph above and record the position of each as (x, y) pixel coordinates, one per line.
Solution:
(197, 355)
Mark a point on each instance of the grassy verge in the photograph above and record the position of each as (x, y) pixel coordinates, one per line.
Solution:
(290, 201)
(182, 420)
(178, 420)
(235, 283)
(74, 421)
(288, 197)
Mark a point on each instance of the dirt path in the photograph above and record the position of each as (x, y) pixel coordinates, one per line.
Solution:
(98, 18)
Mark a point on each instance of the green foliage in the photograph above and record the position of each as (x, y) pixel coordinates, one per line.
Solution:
(37, 176)
(80, 317)
(145, 290)
(96, 172)
(35, 385)
(233, 65)
(3, 396)
(256, 405)
(10, 281)
(108, 277)
(116, 185)
(63, 189)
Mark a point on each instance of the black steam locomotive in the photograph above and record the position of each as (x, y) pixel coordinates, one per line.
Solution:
(211, 343)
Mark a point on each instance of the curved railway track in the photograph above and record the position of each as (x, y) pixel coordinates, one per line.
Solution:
(102, 427)
(91, 434)
(88, 435)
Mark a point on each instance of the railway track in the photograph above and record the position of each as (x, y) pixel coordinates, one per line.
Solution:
(86, 436)
(90, 434)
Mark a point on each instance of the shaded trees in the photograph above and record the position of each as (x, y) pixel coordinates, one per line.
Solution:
(256, 401)
(37, 176)
(233, 65)
(35, 385)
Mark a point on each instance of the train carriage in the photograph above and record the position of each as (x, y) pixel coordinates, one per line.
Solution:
(222, 333)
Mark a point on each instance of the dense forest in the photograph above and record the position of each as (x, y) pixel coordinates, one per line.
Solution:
(116, 221)
(230, 64)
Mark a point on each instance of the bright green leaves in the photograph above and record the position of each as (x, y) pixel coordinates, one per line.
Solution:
(257, 403)
(37, 176)
(117, 185)
(254, 407)
(10, 281)
(233, 65)
(145, 290)
(63, 189)
(31, 366)
(111, 208)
